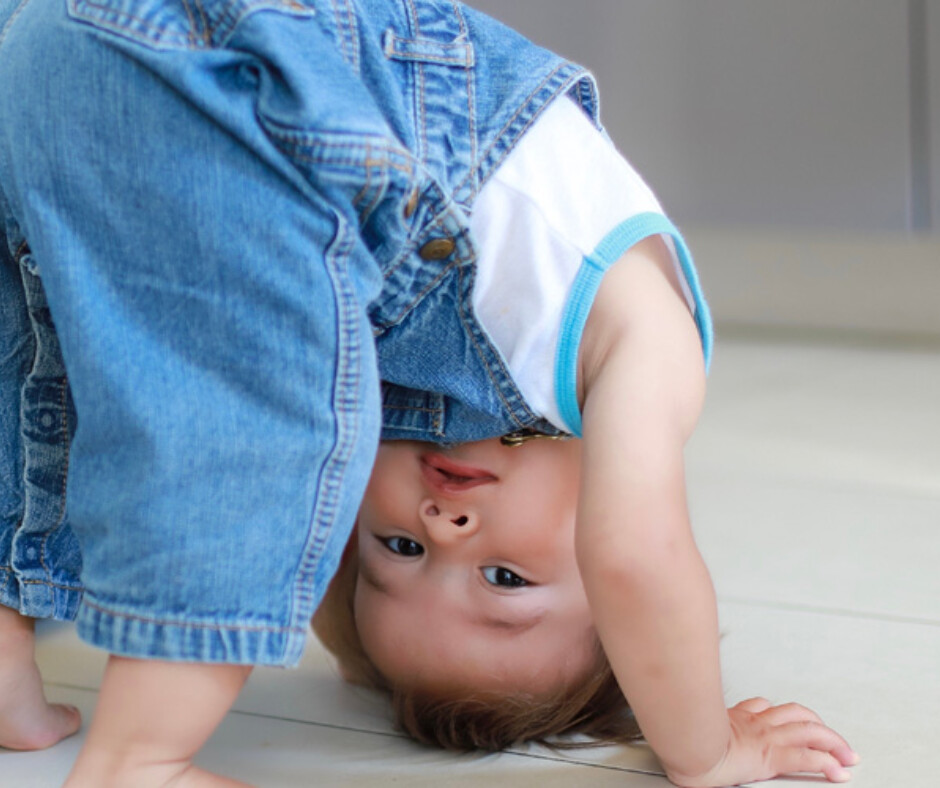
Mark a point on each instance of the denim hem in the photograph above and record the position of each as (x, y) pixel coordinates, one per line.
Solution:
(231, 642)
(38, 598)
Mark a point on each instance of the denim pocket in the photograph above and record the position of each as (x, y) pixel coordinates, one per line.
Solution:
(183, 24)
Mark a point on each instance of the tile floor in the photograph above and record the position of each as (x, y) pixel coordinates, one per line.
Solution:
(815, 491)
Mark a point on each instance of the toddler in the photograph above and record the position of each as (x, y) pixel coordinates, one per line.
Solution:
(491, 582)
(223, 223)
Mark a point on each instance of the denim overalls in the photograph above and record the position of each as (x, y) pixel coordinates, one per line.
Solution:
(228, 220)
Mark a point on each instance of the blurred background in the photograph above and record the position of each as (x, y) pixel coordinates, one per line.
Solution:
(797, 144)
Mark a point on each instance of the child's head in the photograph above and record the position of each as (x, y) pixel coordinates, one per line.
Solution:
(464, 598)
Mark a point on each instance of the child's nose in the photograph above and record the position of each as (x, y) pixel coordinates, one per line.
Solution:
(445, 522)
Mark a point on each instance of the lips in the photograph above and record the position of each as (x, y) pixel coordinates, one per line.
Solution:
(448, 476)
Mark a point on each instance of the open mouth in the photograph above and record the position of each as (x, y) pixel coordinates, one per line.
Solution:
(449, 476)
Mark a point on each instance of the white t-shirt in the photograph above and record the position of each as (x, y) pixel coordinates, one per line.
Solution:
(561, 208)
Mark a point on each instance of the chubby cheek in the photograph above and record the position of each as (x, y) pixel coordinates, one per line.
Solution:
(545, 522)
(391, 639)
(369, 623)
(390, 490)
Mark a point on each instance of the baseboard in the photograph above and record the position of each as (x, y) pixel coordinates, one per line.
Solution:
(837, 283)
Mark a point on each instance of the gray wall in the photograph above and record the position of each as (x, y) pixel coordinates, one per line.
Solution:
(814, 114)
(933, 90)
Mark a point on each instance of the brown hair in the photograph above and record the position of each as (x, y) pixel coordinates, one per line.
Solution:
(594, 706)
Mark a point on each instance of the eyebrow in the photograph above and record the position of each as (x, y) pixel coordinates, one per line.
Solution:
(512, 626)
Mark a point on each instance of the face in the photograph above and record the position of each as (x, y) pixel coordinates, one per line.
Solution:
(467, 571)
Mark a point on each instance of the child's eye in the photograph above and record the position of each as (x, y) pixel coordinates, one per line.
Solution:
(503, 577)
(402, 546)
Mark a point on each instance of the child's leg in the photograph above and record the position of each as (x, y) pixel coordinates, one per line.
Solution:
(27, 721)
(152, 718)
(209, 286)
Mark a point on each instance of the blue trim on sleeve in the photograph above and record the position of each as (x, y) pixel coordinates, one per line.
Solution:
(584, 290)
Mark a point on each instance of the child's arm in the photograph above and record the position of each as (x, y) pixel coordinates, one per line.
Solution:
(642, 377)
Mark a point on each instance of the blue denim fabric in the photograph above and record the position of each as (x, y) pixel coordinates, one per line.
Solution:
(39, 558)
(214, 198)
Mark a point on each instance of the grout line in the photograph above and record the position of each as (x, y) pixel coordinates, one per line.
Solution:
(609, 767)
(403, 737)
(394, 735)
(829, 611)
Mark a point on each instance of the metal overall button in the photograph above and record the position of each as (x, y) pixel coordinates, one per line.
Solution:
(437, 249)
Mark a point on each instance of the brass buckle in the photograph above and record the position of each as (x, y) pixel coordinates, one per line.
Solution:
(519, 437)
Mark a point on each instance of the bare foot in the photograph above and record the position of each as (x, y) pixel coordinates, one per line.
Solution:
(162, 775)
(197, 778)
(27, 721)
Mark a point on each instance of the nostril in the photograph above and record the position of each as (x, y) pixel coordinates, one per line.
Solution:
(462, 520)
(432, 511)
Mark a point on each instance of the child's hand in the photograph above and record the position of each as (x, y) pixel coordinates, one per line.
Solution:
(767, 741)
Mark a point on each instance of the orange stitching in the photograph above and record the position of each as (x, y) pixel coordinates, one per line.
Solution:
(354, 58)
(206, 27)
(368, 180)
(186, 625)
(430, 286)
(142, 22)
(508, 123)
(51, 585)
(471, 112)
(375, 197)
(414, 17)
(170, 37)
(422, 117)
(349, 357)
(10, 571)
(12, 19)
(394, 152)
(191, 38)
(313, 159)
(334, 6)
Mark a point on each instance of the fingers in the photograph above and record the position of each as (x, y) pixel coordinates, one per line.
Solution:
(754, 705)
(805, 728)
(818, 737)
(791, 759)
(790, 712)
